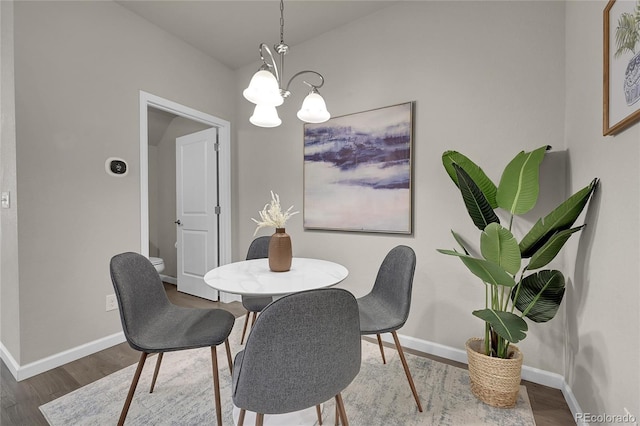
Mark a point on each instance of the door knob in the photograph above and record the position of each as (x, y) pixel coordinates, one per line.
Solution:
(177, 222)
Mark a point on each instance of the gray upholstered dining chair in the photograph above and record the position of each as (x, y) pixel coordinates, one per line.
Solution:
(317, 336)
(258, 249)
(386, 308)
(152, 324)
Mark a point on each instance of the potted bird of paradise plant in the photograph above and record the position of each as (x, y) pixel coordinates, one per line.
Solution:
(516, 286)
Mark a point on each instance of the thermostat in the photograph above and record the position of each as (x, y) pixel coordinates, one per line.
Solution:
(116, 167)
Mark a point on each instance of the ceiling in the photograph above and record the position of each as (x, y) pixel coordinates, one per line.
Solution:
(231, 30)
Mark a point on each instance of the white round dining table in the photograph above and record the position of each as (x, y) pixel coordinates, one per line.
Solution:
(254, 278)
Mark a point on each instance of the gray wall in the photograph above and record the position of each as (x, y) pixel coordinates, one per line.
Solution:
(9, 283)
(489, 79)
(603, 327)
(478, 90)
(79, 69)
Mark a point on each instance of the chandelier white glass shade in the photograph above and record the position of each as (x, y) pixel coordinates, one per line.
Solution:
(314, 109)
(265, 116)
(263, 89)
(266, 91)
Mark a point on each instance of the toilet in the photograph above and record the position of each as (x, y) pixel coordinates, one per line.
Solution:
(157, 263)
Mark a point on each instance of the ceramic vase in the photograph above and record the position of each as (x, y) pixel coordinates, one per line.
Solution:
(280, 253)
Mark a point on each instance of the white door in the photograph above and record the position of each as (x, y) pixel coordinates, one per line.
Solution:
(196, 202)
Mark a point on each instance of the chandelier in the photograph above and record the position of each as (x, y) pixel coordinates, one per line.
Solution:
(267, 91)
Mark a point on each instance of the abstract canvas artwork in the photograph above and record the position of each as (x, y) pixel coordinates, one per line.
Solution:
(357, 171)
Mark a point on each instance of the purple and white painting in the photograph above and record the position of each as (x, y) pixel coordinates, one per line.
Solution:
(357, 171)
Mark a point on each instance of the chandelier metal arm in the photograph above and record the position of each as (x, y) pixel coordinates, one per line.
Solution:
(264, 48)
(285, 91)
(271, 65)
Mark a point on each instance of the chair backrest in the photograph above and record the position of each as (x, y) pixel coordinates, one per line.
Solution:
(140, 294)
(259, 248)
(394, 281)
(303, 350)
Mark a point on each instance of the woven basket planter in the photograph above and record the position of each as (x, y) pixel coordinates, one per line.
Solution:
(495, 381)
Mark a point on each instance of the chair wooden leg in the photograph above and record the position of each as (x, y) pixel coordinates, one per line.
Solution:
(132, 388)
(341, 410)
(384, 361)
(228, 348)
(259, 419)
(337, 420)
(319, 414)
(241, 417)
(244, 329)
(216, 384)
(406, 369)
(250, 316)
(155, 372)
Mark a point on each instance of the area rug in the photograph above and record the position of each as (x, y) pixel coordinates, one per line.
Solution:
(380, 394)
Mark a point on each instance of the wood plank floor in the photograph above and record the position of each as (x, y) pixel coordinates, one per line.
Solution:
(20, 400)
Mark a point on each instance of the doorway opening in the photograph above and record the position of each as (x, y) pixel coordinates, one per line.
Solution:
(161, 118)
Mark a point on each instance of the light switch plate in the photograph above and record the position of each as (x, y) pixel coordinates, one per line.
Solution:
(6, 203)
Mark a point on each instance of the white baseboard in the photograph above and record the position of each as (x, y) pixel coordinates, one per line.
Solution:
(34, 368)
(9, 360)
(429, 347)
(531, 374)
(543, 377)
(572, 402)
(168, 279)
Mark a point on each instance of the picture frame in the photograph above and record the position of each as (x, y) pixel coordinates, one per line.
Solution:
(358, 172)
(621, 73)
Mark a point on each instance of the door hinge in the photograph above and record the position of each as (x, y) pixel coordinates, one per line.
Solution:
(216, 209)
(216, 147)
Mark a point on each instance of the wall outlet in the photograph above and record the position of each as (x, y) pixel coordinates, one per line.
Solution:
(6, 200)
(112, 303)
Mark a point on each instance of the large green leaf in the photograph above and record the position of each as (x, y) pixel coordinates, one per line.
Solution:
(458, 239)
(519, 185)
(477, 205)
(488, 188)
(488, 272)
(550, 249)
(509, 326)
(498, 245)
(562, 217)
(539, 295)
